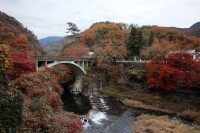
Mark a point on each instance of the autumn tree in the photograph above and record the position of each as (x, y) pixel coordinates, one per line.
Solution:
(21, 58)
(21, 44)
(159, 48)
(21, 63)
(75, 50)
(107, 41)
(106, 65)
(174, 71)
(100, 34)
(10, 99)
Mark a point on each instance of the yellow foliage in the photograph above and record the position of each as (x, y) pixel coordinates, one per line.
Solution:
(4, 57)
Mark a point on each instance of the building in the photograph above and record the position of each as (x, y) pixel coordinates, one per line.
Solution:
(195, 55)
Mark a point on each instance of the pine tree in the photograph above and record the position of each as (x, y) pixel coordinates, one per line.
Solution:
(151, 39)
(135, 42)
(73, 29)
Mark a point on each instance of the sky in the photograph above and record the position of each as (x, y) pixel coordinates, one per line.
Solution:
(49, 17)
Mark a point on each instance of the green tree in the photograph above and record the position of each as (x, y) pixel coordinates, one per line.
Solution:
(151, 39)
(135, 42)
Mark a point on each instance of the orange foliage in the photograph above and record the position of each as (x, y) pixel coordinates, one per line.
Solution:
(21, 45)
(103, 33)
(76, 51)
(159, 48)
(174, 36)
(106, 61)
(116, 73)
(167, 40)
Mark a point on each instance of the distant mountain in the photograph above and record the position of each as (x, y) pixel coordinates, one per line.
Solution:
(195, 26)
(49, 40)
(194, 30)
(56, 47)
(11, 29)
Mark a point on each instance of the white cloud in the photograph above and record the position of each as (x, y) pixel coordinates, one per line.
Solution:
(49, 17)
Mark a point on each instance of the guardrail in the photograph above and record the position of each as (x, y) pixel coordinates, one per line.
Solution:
(60, 58)
(130, 61)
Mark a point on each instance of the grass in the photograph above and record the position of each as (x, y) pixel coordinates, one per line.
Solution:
(141, 98)
(191, 115)
(162, 124)
(139, 104)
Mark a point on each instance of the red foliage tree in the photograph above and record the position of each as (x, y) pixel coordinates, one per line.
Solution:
(173, 72)
(21, 63)
(21, 57)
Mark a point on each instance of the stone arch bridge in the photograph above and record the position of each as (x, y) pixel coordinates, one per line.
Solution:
(78, 65)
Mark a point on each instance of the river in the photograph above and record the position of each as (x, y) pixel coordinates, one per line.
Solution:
(100, 114)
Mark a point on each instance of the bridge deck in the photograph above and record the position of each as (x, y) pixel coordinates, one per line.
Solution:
(60, 58)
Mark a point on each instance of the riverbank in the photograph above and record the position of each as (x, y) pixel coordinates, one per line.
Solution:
(170, 105)
(159, 124)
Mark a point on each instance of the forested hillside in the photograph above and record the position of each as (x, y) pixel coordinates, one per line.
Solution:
(11, 30)
(153, 40)
(27, 104)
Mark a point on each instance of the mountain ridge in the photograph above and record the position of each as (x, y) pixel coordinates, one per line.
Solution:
(11, 29)
(49, 40)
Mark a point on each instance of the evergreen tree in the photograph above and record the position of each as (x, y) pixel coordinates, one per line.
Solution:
(151, 39)
(73, 29)
(135, 42)
(140, 41)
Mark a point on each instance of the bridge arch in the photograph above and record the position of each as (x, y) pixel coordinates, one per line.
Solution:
(77, 69)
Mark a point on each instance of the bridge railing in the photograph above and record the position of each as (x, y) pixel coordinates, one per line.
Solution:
(60, 58)
(130, 61)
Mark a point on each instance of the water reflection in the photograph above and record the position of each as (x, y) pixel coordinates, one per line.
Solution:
(77, 104)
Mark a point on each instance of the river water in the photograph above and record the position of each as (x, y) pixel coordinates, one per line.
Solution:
(100, 114)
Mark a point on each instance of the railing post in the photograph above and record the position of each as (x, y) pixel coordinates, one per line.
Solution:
(83, 64)
(45, 63)
(36, 66)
